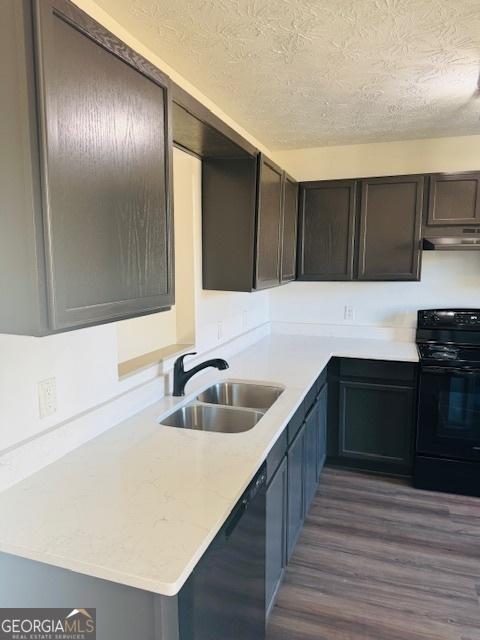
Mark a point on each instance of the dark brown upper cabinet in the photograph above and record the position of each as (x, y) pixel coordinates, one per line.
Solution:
(454, 199)
(269, 218)
(289, 229)
(366, 229)
(198, 131)
(86, 161)
(327, 230)
(389, 246)
(242, 216)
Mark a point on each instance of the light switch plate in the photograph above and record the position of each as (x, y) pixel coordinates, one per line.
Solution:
(47, 397)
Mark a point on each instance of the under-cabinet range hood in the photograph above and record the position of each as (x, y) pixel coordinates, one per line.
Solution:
(469, 242)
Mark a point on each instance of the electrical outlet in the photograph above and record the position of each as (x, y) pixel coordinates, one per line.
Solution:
(219, 330)
(47, 397)
(349, 313)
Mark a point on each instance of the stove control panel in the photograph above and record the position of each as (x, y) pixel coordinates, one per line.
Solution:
(449, 319)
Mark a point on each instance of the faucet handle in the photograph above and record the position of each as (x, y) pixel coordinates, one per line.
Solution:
(180, 359)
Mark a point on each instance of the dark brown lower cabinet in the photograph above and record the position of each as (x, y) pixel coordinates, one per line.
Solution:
(296, 490)
(276, 556)
(292, 483)
(322, 408)
(373, 422)
(294, 465)
(311, 455)
(315, 445)
(372, 417)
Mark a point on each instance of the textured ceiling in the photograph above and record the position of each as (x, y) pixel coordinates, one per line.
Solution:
(305, 73)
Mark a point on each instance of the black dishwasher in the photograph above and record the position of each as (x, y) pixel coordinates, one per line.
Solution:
(224, 598)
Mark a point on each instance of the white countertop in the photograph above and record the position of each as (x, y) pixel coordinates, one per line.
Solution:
(140, 504)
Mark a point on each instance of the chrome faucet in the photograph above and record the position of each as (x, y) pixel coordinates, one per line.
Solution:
(181, 377)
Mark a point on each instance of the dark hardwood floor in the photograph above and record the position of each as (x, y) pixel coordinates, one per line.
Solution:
(378, 560)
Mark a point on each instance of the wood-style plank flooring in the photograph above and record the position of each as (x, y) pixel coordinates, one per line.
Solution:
(379, 560)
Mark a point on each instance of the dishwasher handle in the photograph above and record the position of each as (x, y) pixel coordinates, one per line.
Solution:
(256, 485)
(235, 518)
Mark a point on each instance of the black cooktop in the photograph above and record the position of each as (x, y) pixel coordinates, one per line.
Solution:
(449, 337)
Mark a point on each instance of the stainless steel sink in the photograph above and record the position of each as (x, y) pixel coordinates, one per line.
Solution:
(209, 418)
(241, 394)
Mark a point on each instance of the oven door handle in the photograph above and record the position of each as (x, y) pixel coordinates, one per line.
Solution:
(460, 372)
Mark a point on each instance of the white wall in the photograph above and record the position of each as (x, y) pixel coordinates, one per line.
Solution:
(185, 197)
(449, 279)
(383, 158)
(83, 362)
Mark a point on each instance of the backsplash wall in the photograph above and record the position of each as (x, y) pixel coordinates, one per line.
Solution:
(449, 279)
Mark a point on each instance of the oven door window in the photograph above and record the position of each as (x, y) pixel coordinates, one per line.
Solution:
(449, 413)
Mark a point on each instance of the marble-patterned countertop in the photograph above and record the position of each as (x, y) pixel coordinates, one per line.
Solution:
(141, 503)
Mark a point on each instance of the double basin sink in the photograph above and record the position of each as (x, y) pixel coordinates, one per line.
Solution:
(225, 407)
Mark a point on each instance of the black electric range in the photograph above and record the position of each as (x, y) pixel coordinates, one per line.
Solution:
(448, 426)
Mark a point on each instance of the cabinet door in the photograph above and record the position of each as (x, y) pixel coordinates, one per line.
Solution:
(375, 423)
(289, 231)
(390, 228)
(269, 214)
(105, 129)
(295, 502)
(454, 199)
(229, 199)
(311, 455)
(327, 230)
(322, 404)
(276, 532)
(22, 274)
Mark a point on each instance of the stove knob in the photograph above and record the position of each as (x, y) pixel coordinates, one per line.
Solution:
(427, 317)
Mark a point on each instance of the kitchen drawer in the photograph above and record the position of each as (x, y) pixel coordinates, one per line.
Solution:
(296, 489)
(309, 399)
(381, 369)
(321, 380)
(295, 423)
(276, 455)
